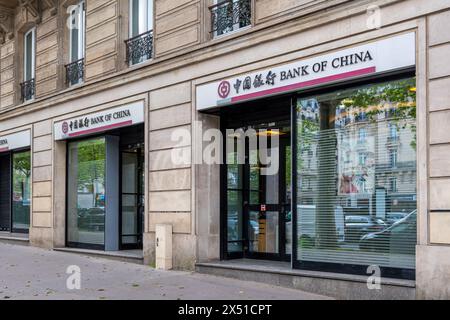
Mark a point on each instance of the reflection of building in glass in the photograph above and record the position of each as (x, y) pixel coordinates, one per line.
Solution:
(357, 176)
(377, 153)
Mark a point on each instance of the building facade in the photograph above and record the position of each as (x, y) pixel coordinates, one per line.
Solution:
(110, 114)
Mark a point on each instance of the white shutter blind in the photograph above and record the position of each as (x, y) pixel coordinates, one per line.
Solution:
(357, 176)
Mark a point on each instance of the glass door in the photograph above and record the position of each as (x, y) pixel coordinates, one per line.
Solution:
(132, 197)
(258, 194)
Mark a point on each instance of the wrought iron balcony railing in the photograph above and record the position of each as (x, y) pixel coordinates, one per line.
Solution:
(27, 90)
(75, 72)
(230, 15)
(139, 48)
(393, 140)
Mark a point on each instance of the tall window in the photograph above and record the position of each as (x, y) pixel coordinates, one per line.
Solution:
(28, 84)
(393, 154)
(140, 44)
(362, 134)
(141, 18)
(230, 15)
(86, 201)
(362, 159)
(77, 43)
(393, 184)
(364, 189)
(393, 131)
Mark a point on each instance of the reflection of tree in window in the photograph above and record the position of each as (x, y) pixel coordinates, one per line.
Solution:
(21, 190)
(91, 167)
(322, 127)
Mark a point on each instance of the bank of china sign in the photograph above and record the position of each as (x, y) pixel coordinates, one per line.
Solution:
(15, 141)
(110, 119)
(382, 56)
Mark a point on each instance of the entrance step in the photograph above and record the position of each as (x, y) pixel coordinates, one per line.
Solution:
(131, 256)
(339, 286)
(14, 238)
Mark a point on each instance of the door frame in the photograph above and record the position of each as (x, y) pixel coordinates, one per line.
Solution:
(141, 163)
(280, 207)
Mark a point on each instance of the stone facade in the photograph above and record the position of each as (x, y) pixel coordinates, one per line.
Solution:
(185, 56)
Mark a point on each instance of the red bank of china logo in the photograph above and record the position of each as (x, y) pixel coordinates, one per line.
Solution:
(65, 127)
(224, 89)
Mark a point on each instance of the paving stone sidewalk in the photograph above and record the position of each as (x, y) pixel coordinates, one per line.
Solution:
(33, 273)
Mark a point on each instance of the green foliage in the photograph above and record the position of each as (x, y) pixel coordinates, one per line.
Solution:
(21, 172)
(397, 97)
(91, 163)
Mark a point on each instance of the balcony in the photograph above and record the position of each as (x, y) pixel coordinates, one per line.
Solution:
(27, 90)
(139, 48)
(230, 15)
(75, 72)
(393, 141)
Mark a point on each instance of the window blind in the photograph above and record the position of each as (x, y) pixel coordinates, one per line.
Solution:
(356, 185)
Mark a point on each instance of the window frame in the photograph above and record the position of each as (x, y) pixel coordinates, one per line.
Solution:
(348, 269)
(68, 242)
(32, 31)
(81, 33)
(144, 28)
(149, 16)
(393, 184)
(393, 158)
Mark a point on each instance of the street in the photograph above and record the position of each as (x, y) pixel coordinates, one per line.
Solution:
(32, 273)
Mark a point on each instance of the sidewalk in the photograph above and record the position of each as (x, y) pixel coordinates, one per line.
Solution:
(32, 273)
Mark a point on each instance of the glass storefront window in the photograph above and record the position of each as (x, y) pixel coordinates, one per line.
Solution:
(86, 192)
(356, 165)
(21, 181)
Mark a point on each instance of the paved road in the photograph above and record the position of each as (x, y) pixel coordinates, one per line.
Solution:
(32, 273)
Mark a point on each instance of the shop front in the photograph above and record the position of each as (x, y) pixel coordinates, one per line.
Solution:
(340, 131)
(104, 178)
(15, 182)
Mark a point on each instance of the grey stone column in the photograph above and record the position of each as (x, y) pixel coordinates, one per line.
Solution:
(112, 194)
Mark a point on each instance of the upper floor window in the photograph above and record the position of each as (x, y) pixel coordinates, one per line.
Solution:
(28, 84)
(362, 135)
(393, 184)
(393, 131)
(140, 44)
(77, 43)
(393, 158)
(230, 15)
(362, 159)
